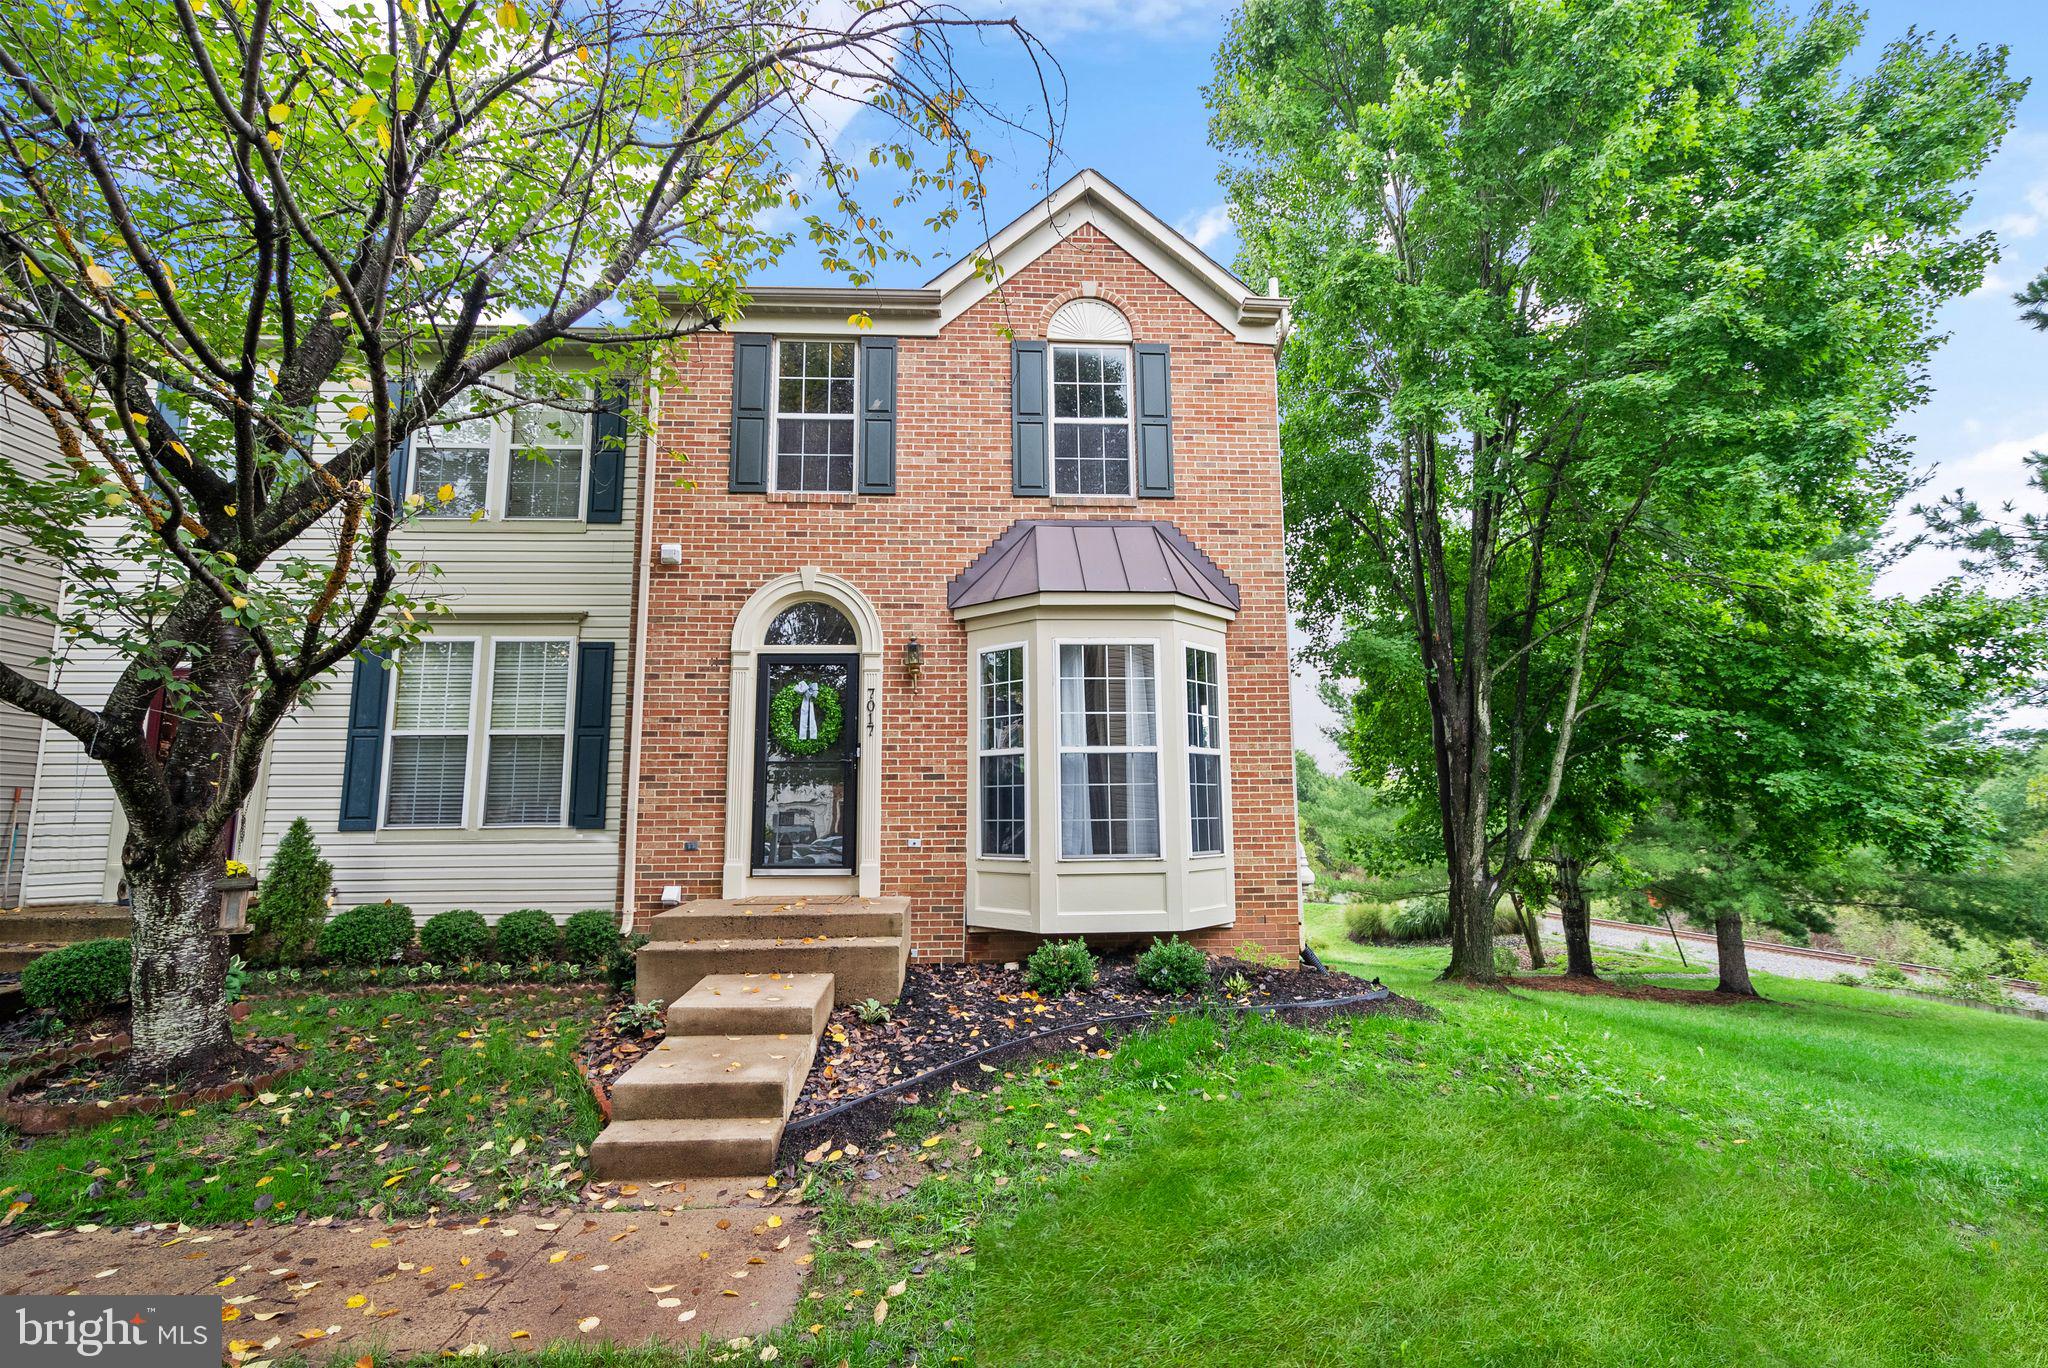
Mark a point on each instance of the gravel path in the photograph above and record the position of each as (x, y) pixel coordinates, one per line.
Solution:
(1763, 959)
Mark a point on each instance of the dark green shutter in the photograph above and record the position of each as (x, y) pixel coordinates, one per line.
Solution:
(1030, 468)
(1155, 422)
(753, 377)
(608, 457)
(877, 415)
(362, 761)
(591, 751)
(401, 455)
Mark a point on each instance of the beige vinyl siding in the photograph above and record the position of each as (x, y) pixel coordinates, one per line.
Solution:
(26, 444)
(565, 579)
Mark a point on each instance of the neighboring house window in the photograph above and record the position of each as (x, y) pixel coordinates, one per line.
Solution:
(1001, 743)
(529, 725)
(1205, 753)
(814, 417)
(544, 478)
(525, 464)
(430, 725)
(1091, 420)
(1109, 751)
(454, 456)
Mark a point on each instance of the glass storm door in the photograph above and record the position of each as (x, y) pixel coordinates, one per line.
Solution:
(806, 749)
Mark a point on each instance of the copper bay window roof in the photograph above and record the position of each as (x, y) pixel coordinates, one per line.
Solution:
(1078, 556)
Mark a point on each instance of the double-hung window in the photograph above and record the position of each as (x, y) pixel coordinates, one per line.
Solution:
(428, 783)
(529, 725)
(470, 462)
(544, 477)
(1205, 753)
(439, 724)
(1109, 750)
(1091, 420)
(453, 458)
(814, 417)
(1000, 742)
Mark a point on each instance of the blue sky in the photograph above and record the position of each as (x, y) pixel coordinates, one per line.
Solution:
(1135, 72)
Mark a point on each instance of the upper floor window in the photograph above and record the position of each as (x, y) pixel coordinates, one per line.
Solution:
(528, 464)
(1091, 420)
(814, 417)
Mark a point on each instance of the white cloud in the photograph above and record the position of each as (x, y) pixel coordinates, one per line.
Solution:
(1207, 227)
(1994, 476)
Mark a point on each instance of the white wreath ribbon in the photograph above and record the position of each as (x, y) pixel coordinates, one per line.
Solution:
(807, 715)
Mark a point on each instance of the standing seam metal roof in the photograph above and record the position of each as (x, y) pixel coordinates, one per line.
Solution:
(1090, 556)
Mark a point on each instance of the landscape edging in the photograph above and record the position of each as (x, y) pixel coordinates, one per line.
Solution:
(851, 1114)
(57, 1118)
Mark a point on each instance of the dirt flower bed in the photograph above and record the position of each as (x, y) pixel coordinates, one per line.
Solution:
(622, 1034)
(950, 1011)
(105, 1078)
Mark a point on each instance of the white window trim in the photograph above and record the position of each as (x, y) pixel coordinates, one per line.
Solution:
(498, 479)
(1061, 749)
(1221, 750)
(775, 416)
(1022, 750)
(1128, 422)
(392, 733)
(487, 731)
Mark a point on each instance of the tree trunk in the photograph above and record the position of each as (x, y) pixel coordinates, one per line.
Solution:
(1577, 919)
(177, 987)
(1728, 948)
(1531, 932)
(1472, 901)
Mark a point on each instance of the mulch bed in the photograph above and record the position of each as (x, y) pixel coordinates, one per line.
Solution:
(950, 1011)
(85, 1084)
(615, 1045)
(1638, 992)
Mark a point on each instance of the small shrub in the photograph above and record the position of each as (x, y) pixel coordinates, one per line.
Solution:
(1972, 981)
(370, 933)
(1887, 976)
(2020, 959)
(456, 936)
(78, 981)
(235, 986)
(1173, 967)
(1505, 962)
(622, 965)
(526, 935)
(590, 935)
(1237, 985)
(1848, 980)
(640, 1019)
(872, 1012)
(1057, 968)
(291, 902)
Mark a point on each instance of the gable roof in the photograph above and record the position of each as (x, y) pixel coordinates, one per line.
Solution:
(1077, 556)
(1088, 198)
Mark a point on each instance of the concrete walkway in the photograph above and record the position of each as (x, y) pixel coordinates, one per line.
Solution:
(1784, 961)
(514, 1283)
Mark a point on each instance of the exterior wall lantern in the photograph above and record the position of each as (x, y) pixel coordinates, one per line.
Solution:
(913, 660)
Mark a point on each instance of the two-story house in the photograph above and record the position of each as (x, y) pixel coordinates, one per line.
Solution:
(970, 600)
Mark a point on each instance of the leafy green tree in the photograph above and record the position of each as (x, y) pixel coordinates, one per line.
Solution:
(228, 225)
(2033, 302)
(1576, 283)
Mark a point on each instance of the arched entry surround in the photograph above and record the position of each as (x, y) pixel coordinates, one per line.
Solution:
(749, 640)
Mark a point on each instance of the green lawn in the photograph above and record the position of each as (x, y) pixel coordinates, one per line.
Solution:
(1832, 1177)
(411, 1099)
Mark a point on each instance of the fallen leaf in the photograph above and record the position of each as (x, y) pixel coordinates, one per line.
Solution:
(587, 1324)
(881, 1310)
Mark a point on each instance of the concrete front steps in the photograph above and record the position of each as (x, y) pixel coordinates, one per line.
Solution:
(26, 932)
(711, 1100)
(863, 943)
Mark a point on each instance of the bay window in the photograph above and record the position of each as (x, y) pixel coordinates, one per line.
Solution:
(1205, 752)
(1000, 741)
(1109, 751)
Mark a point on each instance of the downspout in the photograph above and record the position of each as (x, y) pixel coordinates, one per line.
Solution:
(631, 844)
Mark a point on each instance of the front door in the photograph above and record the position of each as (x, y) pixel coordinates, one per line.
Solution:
(806, 750)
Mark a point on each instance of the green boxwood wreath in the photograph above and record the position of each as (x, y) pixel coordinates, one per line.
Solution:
(782, 715)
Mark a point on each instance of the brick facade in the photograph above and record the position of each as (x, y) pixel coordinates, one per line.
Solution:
(953, 481)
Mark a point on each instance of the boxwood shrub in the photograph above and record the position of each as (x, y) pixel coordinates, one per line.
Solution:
(1057, 968)
(526, 935)
(1172, 966)
(78, 981)
(588, 937)
(371, 933)
(457, 936)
